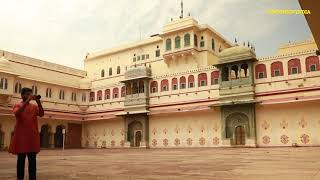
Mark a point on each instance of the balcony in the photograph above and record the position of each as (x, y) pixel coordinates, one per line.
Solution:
(136, 100)
(138, 72)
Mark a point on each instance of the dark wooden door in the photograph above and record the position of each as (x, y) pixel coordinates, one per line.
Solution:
(138, 138)
(240, 135)
(73, 136)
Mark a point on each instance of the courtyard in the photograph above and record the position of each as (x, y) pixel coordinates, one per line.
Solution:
(193, 163)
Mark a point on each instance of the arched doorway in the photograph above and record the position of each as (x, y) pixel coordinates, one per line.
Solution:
(137, 138)
(237, 128)
(135, 133)
(240, 135)
(45, 136)
(58, 137)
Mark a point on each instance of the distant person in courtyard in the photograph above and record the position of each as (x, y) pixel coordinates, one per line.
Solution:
(26, 139)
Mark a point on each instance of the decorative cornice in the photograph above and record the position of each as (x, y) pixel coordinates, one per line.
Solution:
(268, 58)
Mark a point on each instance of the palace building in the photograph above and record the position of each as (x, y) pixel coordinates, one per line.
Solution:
(185, 87)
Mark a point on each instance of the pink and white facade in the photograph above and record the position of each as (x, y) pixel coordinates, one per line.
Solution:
(185, 87)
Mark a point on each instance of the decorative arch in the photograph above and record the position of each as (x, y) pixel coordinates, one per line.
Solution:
(168, 44)
(153, 87)
(312, 63)
(235, 120)
(177, 41)
(99, 95)
(214, 77)
(141, 86)
(190, 81)
(187, 39)
(183, 82)
(202, 79)
(294, 66)
(58, 137)
(133, 135)
(261, 71)
(115, 93)
(174, 83)
(123, 91)
(244, 70)
(107, 94)
(276, 69)
(164, 85)
(92, 96)
(45, 134)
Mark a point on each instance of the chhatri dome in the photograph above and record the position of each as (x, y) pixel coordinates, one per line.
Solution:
(236, 53)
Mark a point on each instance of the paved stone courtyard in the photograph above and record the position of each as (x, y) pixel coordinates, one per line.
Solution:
(194, 164)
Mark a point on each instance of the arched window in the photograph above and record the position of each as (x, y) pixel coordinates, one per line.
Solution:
(191, 81)
(202, 79)
(294, 66)
(195, 39)
(99, 95)
(102, 73)
(118, 70)
(261, 71)
(61, 94)
(84, 97)
(123, 91)
(141, 86)
(17, 88)
(73, 96)
(234, 72)
(164, 85)
(187, 39)
(115, 93)
(202, 42)
(174, 84)
(154, 86)
(110, 71)
(157, 52)
(225, 74)
(48, 93)
(177, 42)
(312, 63)
(168, 44)
(92, 96)
(135, 89)
(107, 94)
(5, 83)
(214, 77)
(213, 45)
(34, 89)
(276, 69)
(244, 70)
(182, 82)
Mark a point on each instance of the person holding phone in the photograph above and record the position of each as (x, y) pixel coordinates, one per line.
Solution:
(26, 138)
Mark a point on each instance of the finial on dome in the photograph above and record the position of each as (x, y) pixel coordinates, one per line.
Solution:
(236, 41)
(248, 44)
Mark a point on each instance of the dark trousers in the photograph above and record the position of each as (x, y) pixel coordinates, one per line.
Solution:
(32, 166)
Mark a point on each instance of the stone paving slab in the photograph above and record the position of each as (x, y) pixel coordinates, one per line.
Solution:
(301, 163)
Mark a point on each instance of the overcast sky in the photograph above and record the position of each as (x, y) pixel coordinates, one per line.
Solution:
(63, 31)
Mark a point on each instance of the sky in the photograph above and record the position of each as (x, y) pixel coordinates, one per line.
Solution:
(64, 31)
